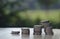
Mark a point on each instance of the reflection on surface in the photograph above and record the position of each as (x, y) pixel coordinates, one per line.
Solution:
(25, 36)
(42, 37)
(37, 37)
(48, 37)
(6, 34)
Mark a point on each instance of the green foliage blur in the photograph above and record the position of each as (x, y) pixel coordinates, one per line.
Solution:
(36, 16)
(13, 16)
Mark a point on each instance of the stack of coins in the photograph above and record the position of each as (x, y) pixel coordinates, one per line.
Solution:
(25, 31)
(37, 29)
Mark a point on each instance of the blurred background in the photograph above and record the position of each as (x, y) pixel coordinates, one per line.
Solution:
(27, 13)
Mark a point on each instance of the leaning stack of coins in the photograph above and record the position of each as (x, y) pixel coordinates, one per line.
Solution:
(47, 27)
